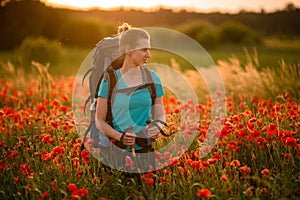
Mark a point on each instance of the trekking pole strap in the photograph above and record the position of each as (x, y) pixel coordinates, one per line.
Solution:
(155, 123)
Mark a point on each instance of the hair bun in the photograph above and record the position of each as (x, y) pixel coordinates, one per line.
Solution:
(124, 27)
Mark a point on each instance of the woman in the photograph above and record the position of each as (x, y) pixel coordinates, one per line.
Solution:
(136, 109)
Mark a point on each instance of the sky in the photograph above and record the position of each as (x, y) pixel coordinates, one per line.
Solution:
(230, 6)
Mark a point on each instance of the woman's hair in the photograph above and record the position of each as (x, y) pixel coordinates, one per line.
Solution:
(130, 36)
(124, 27)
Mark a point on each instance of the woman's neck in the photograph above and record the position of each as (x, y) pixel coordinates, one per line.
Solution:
(131, 75)
(130, 71)
(128, 67)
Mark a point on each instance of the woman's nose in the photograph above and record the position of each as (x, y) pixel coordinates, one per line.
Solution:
(148, 54)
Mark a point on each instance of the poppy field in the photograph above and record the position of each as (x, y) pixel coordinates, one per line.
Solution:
(257, 155)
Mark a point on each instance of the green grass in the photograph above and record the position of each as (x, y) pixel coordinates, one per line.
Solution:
(70, 61)
(269, 54)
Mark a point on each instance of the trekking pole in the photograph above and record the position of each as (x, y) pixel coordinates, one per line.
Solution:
(129, 129)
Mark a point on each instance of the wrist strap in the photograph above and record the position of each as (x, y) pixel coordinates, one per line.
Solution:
(122, 138)
(154, 122)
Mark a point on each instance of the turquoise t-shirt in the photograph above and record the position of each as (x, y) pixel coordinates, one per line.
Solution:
(133, 109)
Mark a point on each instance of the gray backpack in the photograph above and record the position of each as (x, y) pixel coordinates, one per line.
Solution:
(106, 60)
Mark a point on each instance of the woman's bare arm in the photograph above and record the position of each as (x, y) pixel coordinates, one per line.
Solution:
(101, 124)
(158, 113)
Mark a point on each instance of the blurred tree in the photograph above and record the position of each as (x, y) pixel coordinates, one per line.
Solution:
(38, 49)
(24, 18)
(290, 7)
(84, 33)
(20, 19)
(237, 33)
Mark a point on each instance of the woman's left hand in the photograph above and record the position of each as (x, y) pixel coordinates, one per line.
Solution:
(153, 132)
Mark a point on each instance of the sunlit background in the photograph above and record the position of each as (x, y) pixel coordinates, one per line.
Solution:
(191, 5)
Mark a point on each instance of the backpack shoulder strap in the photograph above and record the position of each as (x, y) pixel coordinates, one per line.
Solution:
(147, 76)
(112, 77)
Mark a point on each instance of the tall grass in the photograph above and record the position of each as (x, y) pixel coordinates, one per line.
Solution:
(256, 157)
(250, 79)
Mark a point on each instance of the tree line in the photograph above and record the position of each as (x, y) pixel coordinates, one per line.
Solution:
(31, 18)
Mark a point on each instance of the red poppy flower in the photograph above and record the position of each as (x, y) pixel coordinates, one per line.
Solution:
(235, 163)
(265, 172)
(64, 97)
(25, 169)
(255, 133)
(16, 180)
(79, 173)
(203, 193)
(205, 163)
(150, 181)
(217, 156)
(298, 148)
(287, 155)
(290, 141)
(245, 170)
(64, 170)
(22, 138)
(196, 165)
(41, 109)
(75, 162)
(181, 170)
(211, 161)
(272, 128)
(85, 156)
(224, 178)
(47, 157)
(158, 155)
(83, 193)
(72, 187)
(54, 124)
(45, 195)
(58, 150)
(54, 185)
(242, 134)
(13, 154)
(163, 179)
(129, 162)
(172, 100)
(250, 126)
(167, 172)
(63, 108)
(260, 142)
(264, 190)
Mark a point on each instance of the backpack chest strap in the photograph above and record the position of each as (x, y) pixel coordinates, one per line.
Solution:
(147, 83)
(130, 90)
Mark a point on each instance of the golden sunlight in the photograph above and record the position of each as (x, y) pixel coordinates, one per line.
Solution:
(107, 4)
(196, 5)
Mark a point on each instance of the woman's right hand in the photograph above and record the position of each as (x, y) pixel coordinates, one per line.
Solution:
(129, 139)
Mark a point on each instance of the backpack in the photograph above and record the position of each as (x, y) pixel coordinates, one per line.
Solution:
(107, 59)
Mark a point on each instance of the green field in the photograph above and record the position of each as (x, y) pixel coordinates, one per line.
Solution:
(269, 54)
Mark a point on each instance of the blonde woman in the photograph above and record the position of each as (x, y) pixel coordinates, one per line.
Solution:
(137, 107)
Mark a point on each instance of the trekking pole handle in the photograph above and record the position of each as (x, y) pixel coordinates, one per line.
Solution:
(129, 129)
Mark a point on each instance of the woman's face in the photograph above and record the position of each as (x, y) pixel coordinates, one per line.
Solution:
(141, 53)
